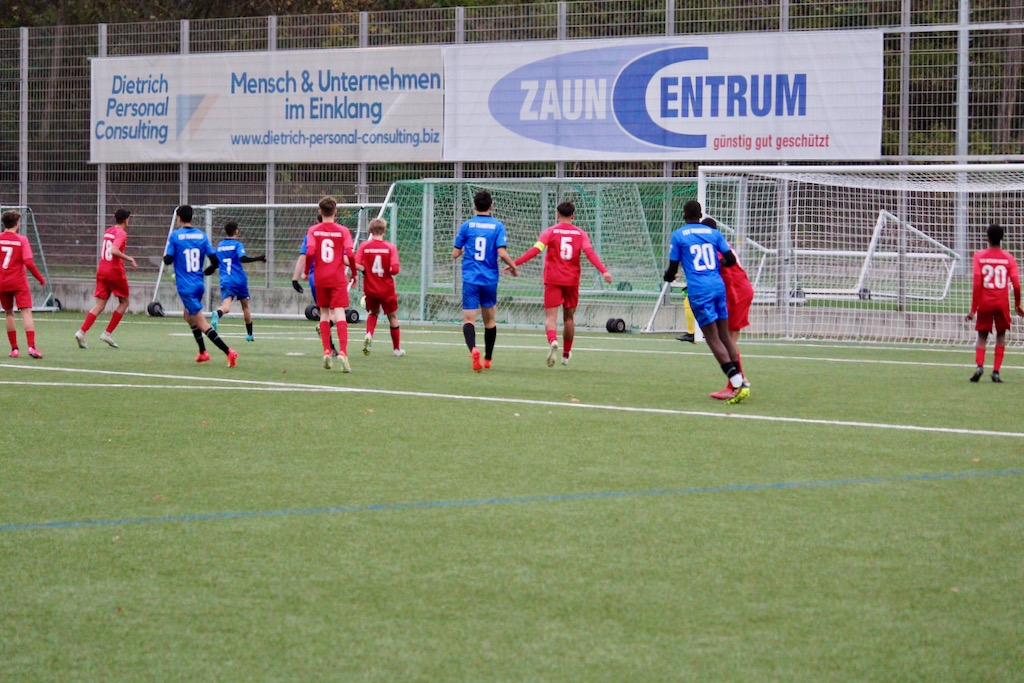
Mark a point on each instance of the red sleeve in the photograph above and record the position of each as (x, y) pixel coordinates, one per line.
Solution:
(529, 254)
(976, 289)
(395, 265)
(349, 248)
(594, 258)
(31, 265)
(359, 254)
(1015, 279)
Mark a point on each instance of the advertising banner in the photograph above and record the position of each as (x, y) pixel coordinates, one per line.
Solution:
(340, 106)
(743, 97)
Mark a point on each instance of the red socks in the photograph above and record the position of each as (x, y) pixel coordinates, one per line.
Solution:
(979, 356)
(552, 336)
(90, 318)
(114, 320)
(325, 335)
(371, 324)
(396, 335)
(1000, 351)
(31, 337)
(12, 335)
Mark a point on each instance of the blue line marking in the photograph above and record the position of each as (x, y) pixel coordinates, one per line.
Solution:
(551, 498)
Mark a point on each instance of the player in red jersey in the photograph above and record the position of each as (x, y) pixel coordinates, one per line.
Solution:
(562, 276)
(739, 294)
(377, 260)
(994, 270)
(15, 257)
(110, 279)
(329, 250)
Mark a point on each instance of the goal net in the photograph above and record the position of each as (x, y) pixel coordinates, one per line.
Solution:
(877, 253)
(276, 230)
(629, 222)
(43, 298)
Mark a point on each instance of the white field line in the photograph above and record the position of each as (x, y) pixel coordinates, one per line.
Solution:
(255, 385)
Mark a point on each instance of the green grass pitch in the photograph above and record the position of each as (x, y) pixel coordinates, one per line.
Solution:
(858, 518)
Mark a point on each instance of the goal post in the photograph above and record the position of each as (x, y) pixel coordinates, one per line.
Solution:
(629, 221)
(878, 253)
(43, 298)
(276, 230)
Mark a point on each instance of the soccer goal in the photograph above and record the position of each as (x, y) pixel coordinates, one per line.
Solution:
(862, 252)
(276, 230)
(43, 298)
(629, 222)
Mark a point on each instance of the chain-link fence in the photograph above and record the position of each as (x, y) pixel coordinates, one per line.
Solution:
(952, 92)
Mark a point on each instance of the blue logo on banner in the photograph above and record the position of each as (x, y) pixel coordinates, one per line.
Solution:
(598, 99)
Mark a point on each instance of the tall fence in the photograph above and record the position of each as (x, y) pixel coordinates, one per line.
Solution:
(952, 93)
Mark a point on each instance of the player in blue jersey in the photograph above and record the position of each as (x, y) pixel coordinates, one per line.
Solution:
(186, 248)
(696, 247)
(482, 240)
(234, 283)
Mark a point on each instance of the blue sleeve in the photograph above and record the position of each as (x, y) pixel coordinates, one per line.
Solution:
(460, 237)
(500, 240)
(169, 250)
(305, 240)
(240, 250)
(675, 252)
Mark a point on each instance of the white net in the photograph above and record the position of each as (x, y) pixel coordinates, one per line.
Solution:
(871, 253)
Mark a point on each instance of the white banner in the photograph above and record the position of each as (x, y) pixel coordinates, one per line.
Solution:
(356, 105)
(749, 97)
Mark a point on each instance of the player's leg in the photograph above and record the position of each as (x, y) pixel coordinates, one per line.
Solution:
(12, 332)
(1002, 324)
(338, 316)
(221, 311)
(488, 307)
(983, 327)
(211, 334)
(90, 317)
(323, 300)
(568, 333)
(247, 319)
(372, 315)
(489, 315)
(550, 329)
(115, 319)
(470, 306)
(396, 332)
(24, 301)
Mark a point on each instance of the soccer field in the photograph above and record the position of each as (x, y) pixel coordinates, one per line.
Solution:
(859, 517)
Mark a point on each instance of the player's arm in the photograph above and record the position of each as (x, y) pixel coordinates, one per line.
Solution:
(728, 259)
(253, 259)
(117, 253)
(360, 266)
(214, 265)
(595, 260)
(672, 271)
(31, 265)
(536, 249)
(298, 271)
(1015, 282)
(395, 266)
(975, 291)
(503, 255)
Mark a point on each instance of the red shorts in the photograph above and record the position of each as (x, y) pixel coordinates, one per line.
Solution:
(22, 297)
(1000, 317)
(105, 287)
(739, 310)
(331, 297)
(388, 305)
(567, 296)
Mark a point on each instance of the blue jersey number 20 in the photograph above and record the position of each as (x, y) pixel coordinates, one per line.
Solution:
(703, 257)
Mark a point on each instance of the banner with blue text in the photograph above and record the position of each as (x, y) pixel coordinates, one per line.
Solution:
(354, 105)
(749, 97)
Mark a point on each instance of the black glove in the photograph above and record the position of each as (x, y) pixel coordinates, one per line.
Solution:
(210, 270)
(296, 286)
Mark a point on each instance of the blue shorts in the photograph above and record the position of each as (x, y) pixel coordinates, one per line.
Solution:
(479, 296)
(193, 301)
(707, 311)
(236, 290)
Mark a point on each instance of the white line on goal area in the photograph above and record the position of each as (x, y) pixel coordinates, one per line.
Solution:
(259, 385)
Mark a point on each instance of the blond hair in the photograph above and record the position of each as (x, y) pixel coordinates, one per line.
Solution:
(377, 226)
